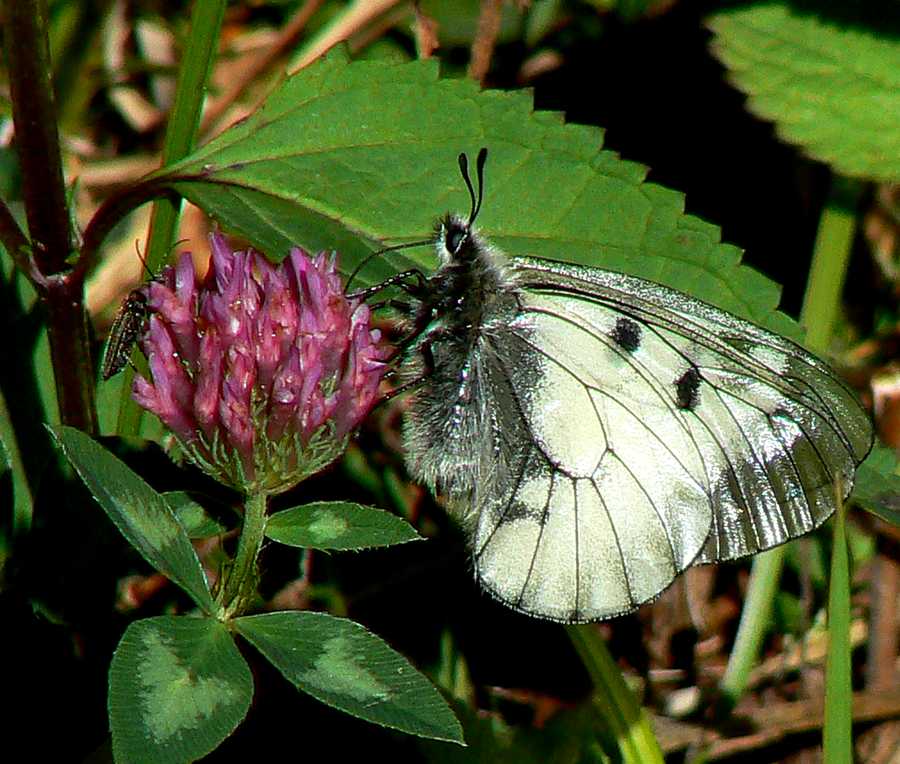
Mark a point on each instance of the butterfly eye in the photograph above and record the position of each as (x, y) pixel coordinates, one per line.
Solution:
(456, 235)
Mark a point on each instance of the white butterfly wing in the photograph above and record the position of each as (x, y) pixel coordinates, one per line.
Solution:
(637, 431)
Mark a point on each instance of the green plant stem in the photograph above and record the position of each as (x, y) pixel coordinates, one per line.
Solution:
(820, 306)
(764, 578)
(821, 302)
(628, 724)
(240, 587)
(831, 256)
(837, 731)
(184, 122)
(181, 132)
(37, 142)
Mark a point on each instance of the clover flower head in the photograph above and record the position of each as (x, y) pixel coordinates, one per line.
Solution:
(261, 371)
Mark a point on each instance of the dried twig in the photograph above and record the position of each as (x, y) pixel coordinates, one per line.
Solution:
(771, 725)
(426, 33)
(287, 39)
(358, 15)
(881, 672)
(485, 39)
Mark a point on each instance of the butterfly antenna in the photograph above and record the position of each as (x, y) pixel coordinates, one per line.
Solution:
(473, 211)
(137, 251)
(464, 170)
(479, 174)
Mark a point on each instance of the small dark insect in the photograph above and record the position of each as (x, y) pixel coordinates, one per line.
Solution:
(127, 327)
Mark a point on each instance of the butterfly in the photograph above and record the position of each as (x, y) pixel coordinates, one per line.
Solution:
(597, 434)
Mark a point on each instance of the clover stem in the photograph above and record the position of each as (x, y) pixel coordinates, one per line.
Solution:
(240, 587)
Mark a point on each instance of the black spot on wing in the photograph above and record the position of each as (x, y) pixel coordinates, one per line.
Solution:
(519, 510)
(687, 389)
(627, 334)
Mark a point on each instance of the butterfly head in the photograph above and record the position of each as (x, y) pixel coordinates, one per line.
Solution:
(456, 240)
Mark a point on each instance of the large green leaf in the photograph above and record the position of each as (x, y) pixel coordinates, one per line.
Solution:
(353, 156)
(827, 74)
(178, 687)
(338, 525)
(345, 666)
(140, 513)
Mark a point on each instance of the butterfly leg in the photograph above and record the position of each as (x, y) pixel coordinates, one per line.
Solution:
(427, 362)
(399, 279)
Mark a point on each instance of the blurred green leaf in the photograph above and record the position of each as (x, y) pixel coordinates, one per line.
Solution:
(877, 486)
(457, 20)
(340, 663)
(542, 17)
(568, 737)
(353, 156)
(862, 545)
(827, 74)
(630, 10)
(809, 558)
(197, 522)
(789, 614)
(338, 525)
(15, 491)
(178, 687)
(141, 514)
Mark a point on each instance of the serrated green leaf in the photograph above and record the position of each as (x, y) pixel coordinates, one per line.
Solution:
(140, 513)
(193, 517)
(178, 687)
(340, 663)
(827, 75)
(877, 486)
(354, 156)
(338, 525)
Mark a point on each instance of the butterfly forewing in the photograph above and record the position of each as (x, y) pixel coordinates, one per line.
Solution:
(773, 427)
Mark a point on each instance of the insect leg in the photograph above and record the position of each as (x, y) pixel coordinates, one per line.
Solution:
(399, 279)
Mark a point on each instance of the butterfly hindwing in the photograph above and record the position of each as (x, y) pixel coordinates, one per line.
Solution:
(603, 499)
